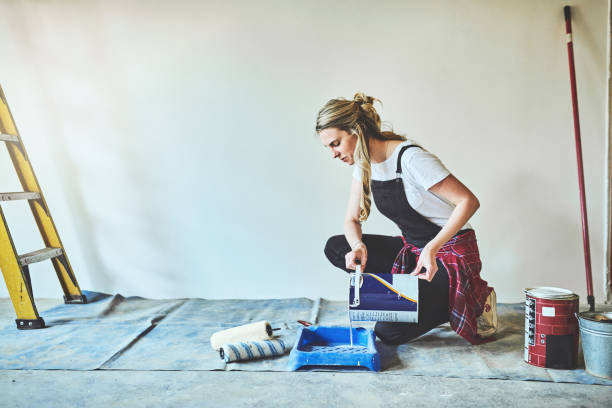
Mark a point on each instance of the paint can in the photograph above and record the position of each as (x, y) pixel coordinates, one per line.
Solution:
(551, 327)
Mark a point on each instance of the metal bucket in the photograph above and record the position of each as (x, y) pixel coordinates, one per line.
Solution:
(596, 333)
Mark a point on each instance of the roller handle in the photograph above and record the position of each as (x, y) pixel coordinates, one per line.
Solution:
(583, 209)
(356, 280)
(270, 330)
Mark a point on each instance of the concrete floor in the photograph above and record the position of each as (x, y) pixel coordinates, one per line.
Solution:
(61, 388)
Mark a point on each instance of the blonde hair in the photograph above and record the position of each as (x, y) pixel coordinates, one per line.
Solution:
(357, 117)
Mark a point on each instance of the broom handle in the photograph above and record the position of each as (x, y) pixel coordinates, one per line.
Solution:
(583, 210)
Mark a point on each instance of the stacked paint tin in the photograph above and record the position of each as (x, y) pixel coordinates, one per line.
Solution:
(551, 328)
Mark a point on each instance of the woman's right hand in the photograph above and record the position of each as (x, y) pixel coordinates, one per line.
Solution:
(359, 252)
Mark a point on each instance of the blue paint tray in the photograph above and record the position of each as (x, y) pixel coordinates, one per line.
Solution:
(321, 346)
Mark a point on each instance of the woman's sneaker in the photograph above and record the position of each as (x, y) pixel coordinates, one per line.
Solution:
(487, 321)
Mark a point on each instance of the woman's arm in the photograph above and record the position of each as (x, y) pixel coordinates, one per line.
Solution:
(352, 228)
(466, 205)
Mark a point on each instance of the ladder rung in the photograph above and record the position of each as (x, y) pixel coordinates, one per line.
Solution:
(40, 255)
(19, 196)
(8, 138)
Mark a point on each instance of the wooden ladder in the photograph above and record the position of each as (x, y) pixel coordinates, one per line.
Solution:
(15, 267)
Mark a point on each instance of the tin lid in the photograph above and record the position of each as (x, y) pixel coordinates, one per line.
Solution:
(546, 292)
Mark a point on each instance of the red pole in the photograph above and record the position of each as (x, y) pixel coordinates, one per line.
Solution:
(583, 211)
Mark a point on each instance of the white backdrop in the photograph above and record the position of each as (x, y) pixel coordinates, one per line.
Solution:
(175, 144)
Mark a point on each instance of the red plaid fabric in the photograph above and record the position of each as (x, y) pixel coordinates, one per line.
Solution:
(467, 290)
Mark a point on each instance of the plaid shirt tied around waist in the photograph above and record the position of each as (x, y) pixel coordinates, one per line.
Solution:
(467, 290)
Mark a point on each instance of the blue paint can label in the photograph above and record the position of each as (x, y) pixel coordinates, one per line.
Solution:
(385, 298)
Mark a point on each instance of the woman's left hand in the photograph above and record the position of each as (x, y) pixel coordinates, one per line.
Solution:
(427, 260)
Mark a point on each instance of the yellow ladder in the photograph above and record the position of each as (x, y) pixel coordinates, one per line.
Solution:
(14, 266)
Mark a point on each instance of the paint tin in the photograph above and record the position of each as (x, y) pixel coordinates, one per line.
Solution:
(551, 327)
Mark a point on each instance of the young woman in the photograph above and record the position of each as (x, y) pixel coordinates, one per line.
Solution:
(431, 207)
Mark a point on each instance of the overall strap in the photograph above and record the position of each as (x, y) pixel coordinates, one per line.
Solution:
(398, 171)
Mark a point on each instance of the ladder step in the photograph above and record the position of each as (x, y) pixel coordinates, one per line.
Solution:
(8, 138)
(40, 255)
(19, 196)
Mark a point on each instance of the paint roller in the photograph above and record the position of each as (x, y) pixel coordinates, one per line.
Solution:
(251, 350)
(253, 331)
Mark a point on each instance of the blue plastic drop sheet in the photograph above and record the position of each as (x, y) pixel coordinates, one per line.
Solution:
(182, 340)
(117, 333)
(81, 337)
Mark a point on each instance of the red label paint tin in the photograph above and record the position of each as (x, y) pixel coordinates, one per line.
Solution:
(551, 328)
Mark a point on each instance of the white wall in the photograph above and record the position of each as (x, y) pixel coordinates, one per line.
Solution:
(175, 143)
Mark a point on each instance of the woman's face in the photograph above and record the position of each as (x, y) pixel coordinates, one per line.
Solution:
(341, 143)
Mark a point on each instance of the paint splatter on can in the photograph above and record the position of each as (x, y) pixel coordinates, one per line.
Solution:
(551, 328)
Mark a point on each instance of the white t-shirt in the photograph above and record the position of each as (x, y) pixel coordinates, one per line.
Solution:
(420, 171)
